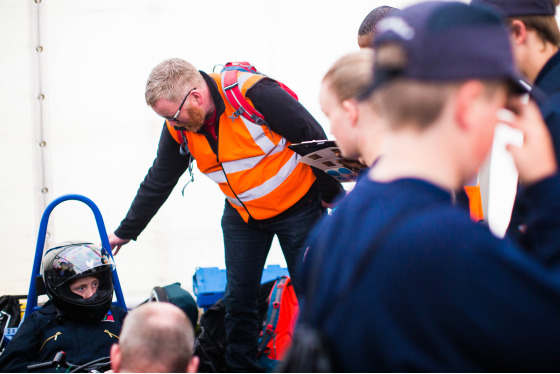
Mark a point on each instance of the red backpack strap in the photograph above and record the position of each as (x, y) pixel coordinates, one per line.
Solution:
(238, 101)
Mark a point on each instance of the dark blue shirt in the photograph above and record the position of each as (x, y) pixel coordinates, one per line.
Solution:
(546, 92)
(440, 293)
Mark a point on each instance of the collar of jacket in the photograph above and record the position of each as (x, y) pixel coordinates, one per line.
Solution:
(547, 79)
(216, 97)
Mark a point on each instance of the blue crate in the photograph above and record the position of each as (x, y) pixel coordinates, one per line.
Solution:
(209, 284)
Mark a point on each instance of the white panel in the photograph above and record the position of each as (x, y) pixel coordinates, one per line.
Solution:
(17, 150)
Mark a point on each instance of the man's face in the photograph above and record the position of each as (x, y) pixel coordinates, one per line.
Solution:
(490, 105)
(191, 116)
(366, 41)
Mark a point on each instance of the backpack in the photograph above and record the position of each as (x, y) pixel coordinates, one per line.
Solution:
(236, 98)
(10, 317)
(178, 296)
(278, 328)
(210, 344)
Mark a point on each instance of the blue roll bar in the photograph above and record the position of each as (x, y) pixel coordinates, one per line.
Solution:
(32, 295)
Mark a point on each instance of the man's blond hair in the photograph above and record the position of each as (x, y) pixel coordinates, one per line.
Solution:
(171, 80)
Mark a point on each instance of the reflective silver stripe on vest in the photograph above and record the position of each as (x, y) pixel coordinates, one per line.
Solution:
(234, 201)
(251, 162)
(217, 176)
(271, 184)
(256, 131)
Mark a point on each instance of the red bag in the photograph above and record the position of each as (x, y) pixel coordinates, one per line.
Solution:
(278, 329)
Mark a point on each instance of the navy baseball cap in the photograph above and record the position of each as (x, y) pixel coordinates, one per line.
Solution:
(447, 41)
(516, 8)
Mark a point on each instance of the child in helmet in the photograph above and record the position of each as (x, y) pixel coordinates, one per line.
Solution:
(79, 318)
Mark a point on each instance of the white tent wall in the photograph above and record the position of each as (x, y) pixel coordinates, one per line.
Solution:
(100, 137)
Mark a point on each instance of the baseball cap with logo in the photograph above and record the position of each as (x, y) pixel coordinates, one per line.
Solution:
(515, 8)
(447, 41)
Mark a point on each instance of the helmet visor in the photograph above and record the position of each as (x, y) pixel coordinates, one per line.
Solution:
(78, 261)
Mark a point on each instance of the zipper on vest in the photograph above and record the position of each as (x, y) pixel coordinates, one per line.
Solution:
(111, 334)
(55, 336)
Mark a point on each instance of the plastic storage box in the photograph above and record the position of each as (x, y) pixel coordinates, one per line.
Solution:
(209, 284)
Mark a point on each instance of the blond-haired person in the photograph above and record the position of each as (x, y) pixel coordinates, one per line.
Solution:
(267, 191)
(354, 123)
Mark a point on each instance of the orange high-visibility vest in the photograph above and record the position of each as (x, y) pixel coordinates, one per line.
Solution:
(475, 202)
(260, 176)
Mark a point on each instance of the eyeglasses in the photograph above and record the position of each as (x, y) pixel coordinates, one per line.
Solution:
(174, 118)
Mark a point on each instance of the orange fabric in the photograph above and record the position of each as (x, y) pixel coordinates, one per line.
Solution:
(475, 202)
(174, 133)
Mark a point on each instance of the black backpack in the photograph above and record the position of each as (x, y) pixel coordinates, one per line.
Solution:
(178, 296)
(9, 315)
(210, 345)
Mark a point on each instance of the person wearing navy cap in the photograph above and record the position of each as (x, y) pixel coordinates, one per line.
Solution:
(398, 279)
(535, 38)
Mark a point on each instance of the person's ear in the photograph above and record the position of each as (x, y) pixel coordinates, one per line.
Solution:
(192, 367)
(197, 96)
(351, 109)
(466, 99)
(518, 32)
(115, 358)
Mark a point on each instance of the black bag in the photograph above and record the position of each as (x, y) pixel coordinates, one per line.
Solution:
(178, 296)
(210, 345)
(10, 315)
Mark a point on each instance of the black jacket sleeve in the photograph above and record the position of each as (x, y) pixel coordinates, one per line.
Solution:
(162, 177)
(288, 117)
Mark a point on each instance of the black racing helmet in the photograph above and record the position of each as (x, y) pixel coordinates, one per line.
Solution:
(68, 261)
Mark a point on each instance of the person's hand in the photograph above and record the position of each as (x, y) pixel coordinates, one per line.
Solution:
(354, 165)
(116, 243)
(535, 159)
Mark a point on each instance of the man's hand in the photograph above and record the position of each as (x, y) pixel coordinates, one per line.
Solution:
(535, 159)
(354, 165)
(116, 243)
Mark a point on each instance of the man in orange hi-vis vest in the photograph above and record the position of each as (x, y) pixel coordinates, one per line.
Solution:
(268, 192)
